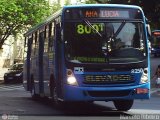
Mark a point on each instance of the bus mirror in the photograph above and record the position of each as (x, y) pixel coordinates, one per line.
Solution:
(148, 30)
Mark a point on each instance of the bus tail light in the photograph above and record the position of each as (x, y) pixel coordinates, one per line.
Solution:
(71, 80)
(142, 90)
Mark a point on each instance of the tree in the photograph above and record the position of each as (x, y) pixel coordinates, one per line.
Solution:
(18, 15)
(97, 1)
(152, 11)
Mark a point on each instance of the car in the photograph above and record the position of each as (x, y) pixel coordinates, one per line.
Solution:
(155, 43)
(14, 74)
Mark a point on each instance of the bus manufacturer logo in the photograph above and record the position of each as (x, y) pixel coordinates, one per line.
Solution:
(78, 70)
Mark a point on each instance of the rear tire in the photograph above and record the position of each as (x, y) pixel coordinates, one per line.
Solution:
(123, 105)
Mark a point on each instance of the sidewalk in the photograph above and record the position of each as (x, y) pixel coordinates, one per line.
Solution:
(154, 90)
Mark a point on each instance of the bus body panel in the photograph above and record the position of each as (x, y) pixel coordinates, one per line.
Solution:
(73, 93)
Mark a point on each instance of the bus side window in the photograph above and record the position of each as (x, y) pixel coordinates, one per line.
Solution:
(46, 39)
(51, 37)
(29, 49)
(41, 41)
(34, 44)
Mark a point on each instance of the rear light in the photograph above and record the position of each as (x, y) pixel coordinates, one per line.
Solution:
(142, 90)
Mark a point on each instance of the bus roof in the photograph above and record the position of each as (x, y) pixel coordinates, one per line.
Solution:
(53, 16)
(102, 5)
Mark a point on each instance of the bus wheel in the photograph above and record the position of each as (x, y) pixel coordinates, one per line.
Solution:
(123, 105)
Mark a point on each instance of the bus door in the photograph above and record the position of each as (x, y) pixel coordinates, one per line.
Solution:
(40, 62)
(58, 61)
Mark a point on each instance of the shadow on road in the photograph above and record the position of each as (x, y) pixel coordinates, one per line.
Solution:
(83, 109)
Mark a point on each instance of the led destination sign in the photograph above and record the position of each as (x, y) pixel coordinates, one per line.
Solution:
(105, 13)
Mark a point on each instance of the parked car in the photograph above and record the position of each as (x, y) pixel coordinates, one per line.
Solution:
(14, 74)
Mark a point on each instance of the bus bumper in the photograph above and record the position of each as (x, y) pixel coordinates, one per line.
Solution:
(75, 93)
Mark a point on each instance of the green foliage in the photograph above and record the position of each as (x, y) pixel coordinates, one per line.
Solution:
(18, 15)
(97, 1)
(67, 2)
(55, 7)
(91, 2)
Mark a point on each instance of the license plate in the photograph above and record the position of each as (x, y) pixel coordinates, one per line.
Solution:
(10, 78)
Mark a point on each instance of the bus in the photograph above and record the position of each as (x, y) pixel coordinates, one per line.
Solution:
(155, 43)
(87, 53)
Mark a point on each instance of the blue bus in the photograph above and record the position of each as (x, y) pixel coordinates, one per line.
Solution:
(86, 53)
(155, 43)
